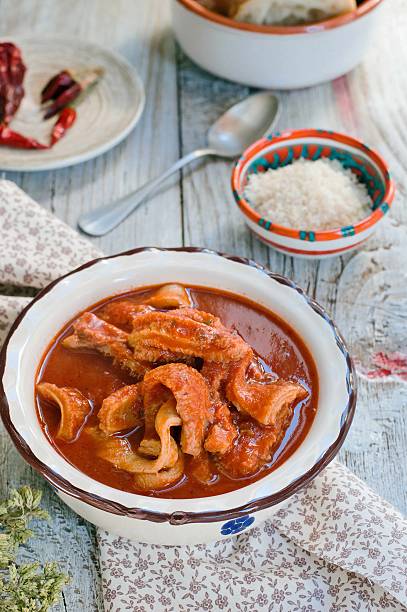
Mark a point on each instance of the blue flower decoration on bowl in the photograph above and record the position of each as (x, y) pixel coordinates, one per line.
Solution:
(237, 525)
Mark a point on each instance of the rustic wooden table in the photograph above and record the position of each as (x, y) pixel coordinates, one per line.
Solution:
(366, 292)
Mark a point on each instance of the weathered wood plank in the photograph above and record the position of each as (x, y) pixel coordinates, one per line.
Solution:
(368, 104)
(66, 538)
(182, 101)
(139, 30)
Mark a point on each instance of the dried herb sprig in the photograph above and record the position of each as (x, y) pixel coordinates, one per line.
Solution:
(26, 587)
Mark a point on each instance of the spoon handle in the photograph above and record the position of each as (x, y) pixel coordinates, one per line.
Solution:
(102, 220)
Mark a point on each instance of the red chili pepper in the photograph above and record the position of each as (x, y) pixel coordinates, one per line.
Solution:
(66, 97)
(56, 86)
(12, 70)
(65, 120)
(8, 138)
(65, 87)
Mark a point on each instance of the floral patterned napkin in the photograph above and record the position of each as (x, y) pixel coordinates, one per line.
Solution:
(334, 546)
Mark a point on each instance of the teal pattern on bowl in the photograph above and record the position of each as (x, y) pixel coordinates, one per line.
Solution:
(286, 154)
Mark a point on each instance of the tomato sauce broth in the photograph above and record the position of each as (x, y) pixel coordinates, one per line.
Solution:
(279, 347)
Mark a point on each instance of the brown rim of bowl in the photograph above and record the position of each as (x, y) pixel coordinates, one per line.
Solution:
(180, 517)
(310, 28)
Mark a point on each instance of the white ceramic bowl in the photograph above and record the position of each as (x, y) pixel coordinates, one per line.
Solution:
(274, 56)
(165, 521)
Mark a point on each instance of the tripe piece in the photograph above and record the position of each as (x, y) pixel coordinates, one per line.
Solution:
(74, 408)
(170, 296)
(222, 432)
(121, 312)
(169, 336)
(202, 469)
(163, 478)
(166, 418)
(122, 409)
(191, 394)
(90, 332)
(269, 403)
(124, 458)
(252, 450)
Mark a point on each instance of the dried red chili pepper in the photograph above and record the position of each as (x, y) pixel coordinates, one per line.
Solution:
(62, 90)
(66, 97)
(12, 70)
(9, 138)
(65, 87)
(65, 120)
(56, 86)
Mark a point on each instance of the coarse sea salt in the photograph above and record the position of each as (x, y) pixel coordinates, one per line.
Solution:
(309, 195)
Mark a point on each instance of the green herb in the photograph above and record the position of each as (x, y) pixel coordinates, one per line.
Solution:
(26, 587)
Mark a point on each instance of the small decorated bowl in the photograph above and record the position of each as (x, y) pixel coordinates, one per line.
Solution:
(281, 149)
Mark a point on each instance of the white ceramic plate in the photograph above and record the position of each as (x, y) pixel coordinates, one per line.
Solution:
(105, 117)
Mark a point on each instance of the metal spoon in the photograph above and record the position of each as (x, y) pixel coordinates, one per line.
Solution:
(228, 137)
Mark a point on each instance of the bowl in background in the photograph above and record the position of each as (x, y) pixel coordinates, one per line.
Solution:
(159, 520)
(280, 149)
(282, 57)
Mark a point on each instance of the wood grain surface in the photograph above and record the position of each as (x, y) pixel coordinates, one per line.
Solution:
(366, 291)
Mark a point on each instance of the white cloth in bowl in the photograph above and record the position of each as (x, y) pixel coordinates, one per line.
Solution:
(334, 546)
